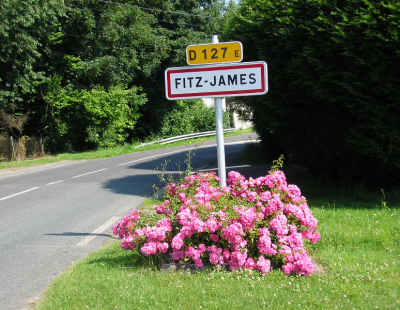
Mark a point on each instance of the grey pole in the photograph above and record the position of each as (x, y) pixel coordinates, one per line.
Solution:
(220, 133)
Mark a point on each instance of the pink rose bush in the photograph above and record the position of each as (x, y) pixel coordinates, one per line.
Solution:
(250, 224)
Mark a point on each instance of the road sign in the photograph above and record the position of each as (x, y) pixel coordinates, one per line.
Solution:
(214, 53)
(222, 80)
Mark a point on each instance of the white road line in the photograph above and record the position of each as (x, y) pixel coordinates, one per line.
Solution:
(98, 231)
(230, 167)
(158, 155)
(81, 175)
(23, 192)
(55, 182)
(243, 142)
(230, 143)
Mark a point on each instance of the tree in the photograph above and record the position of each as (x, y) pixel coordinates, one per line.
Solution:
(96, 47)
(333, 103)
(27, 30)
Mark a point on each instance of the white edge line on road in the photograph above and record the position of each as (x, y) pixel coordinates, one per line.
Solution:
(55, 182)
(23, 192)
(243, 142)
(231, 143)
(200, 147)
(158, 155)
(98, 230)
(81, 175)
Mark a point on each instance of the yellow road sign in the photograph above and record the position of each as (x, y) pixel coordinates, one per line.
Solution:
(214, 53)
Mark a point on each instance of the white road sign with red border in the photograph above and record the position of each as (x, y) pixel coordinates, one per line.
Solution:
(217, 80)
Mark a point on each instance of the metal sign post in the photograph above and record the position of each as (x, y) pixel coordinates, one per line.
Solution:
(220, 134)
(227, 78)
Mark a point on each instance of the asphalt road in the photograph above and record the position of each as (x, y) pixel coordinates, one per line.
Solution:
(56, 214)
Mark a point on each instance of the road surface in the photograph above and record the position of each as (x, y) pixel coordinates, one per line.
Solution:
(56, 214)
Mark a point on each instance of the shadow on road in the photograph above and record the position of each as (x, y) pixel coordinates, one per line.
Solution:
(142, 175)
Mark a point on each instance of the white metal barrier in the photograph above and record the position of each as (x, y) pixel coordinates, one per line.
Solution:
(183, 137)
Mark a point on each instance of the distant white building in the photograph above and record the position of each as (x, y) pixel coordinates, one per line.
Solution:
(239, 124)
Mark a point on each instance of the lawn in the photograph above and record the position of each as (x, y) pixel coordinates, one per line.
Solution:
(357, 259)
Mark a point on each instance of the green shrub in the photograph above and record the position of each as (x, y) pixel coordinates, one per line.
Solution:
(190, 116)
(333, 100)
(90, 119)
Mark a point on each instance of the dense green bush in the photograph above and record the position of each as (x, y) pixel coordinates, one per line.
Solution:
(333, 103)
(190, 116)
(96, 118)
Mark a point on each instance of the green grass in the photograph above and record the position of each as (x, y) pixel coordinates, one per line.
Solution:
(358, 259)
(358, 253)
(111, 152)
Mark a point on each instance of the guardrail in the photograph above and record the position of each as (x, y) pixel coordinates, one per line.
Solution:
(183, 137)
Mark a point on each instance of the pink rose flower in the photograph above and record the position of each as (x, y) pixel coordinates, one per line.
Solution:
(214, 237)
(263, 265)
(265, 196)
(288, 268)
(163, 247)
(212, 225)
(198, 263)
(160, 209)
(177, 242)
(213, 258)
(149, 248)
(249, 263)
(177, 255)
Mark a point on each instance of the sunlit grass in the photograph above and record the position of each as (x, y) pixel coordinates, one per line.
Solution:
(360, 277)
(357, 258)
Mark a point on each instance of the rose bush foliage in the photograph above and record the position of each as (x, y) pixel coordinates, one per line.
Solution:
(255, 223)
